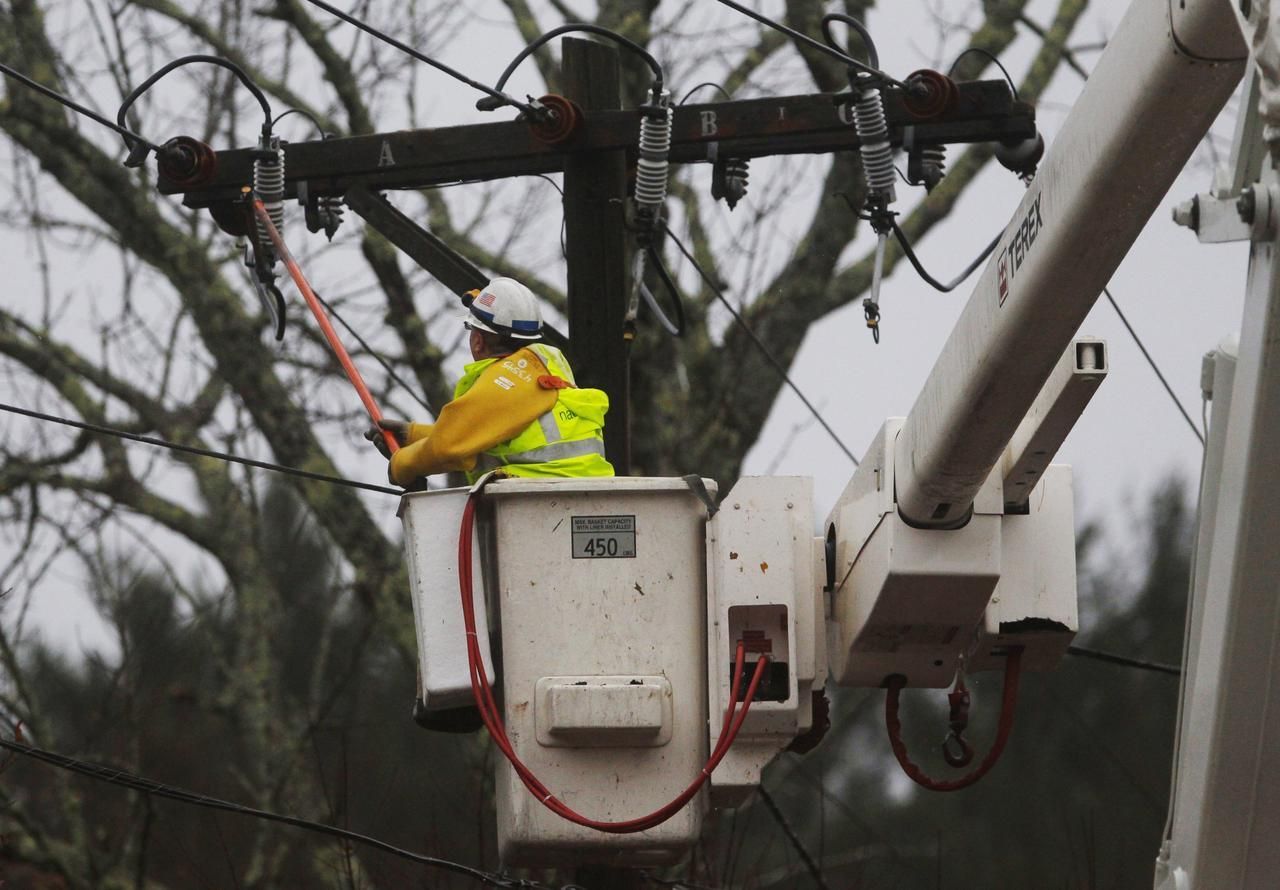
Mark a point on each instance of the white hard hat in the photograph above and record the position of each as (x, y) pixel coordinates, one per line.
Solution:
(506, 307)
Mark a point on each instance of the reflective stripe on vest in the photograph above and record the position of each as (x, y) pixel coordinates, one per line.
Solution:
(550, 428)
(547, 453)
(559, 442)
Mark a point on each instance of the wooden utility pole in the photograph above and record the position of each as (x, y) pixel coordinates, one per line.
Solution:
(595, 194)
(592, 152)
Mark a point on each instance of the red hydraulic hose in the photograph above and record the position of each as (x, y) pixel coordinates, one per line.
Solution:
(1008, 703)
(492, 717)
(353, 374)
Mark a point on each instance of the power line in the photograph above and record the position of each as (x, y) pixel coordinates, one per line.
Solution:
(585, 28)
(1152, 362)
(842, 57)
(423, 57)
(199, 452)
(706, 83)
(982, 52)
(76, 106)
(909, 251)
(920, 270)
(124, 779)
(760, 344)
(814, 871)
(386, 366)
(1108, 657)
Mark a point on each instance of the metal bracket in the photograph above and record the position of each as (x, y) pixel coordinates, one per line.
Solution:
(449, 267)
(1250, 216)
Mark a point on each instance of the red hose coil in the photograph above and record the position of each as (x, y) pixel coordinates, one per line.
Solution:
(1008, 704)
(492, 717)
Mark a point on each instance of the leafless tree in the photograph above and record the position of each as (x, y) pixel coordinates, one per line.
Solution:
(134, 312)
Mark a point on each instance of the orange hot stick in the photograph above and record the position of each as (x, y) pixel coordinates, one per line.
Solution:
(353, 374)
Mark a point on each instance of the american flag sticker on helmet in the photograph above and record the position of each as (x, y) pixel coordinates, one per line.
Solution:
(486, 299)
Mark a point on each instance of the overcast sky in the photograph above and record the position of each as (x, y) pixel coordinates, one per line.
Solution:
(1181, 297)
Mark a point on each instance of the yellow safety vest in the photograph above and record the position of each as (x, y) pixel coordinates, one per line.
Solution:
(566, 441)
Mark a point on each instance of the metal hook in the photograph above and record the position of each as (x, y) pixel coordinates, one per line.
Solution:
(956, 751)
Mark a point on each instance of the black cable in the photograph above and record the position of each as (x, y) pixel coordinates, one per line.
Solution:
(235, 69)
(199, 452)
(583, 27)
(423, 57)
(1127, 662)
(125, 779)
(77, 107)
(929, 279)
(1152, 362)
(910, 253)
(302, 111)
(676, 328)
(982, 52)
(805, 857)
(759, 344)
(555, 185)
(873, 56)
(377, 356)
(705, 83)
(818, 45)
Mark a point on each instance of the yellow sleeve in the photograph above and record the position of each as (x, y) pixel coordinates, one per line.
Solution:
(501, 403)
(418, 431)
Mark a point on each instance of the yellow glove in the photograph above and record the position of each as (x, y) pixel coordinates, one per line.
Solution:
(499, 405)
(403, 432)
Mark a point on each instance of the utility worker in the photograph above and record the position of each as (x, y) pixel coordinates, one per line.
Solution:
(516, 408)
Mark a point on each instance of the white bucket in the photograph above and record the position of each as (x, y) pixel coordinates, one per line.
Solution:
(431, 522)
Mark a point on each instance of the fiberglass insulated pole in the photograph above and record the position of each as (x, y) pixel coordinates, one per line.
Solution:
(375, 414)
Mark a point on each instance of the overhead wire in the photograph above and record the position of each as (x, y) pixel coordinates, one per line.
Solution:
(982, 52)
(77, 107)
(805, 856)
(659, 77)
(1152, 362)
(674, 328)
(125, 779)
(908, 250)
(301, 111)
(1111, 658)
(873, 55)
(818, 45)
(199, 452)
(910, 254)
(504, 99)
(952, 285)
(764, 350)
(326, 327)
(235, 69)
(705, 83)
(386, 366)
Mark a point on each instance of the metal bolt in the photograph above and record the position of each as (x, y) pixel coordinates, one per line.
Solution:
(1247, 205)
(1188, 214)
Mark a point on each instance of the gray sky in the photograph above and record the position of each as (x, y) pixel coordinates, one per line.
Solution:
(1181, 297)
